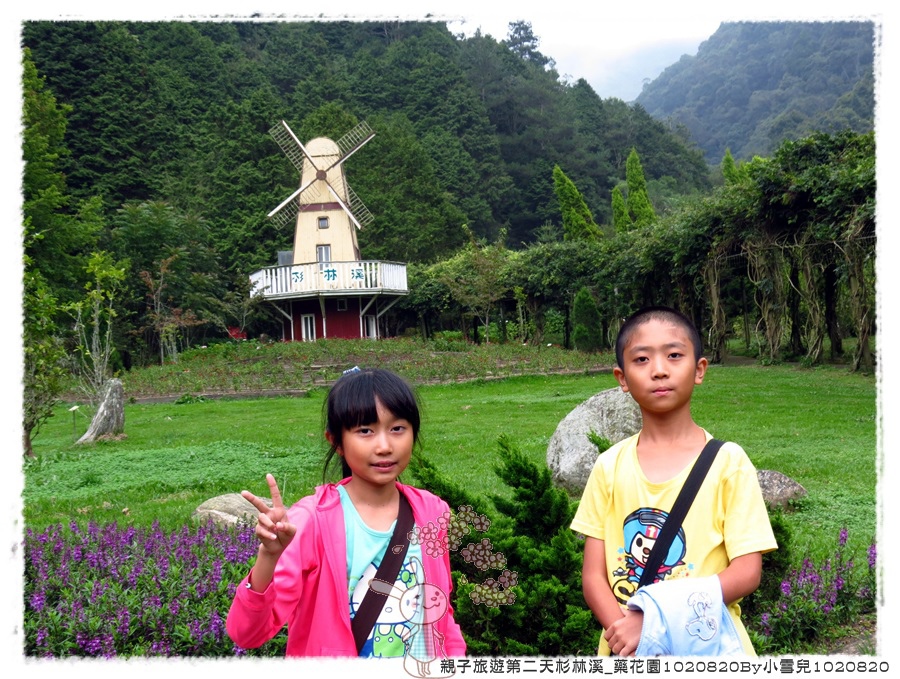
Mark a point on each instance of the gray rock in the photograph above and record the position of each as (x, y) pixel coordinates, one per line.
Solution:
(229, 509)
(777, 489)
(612, 414)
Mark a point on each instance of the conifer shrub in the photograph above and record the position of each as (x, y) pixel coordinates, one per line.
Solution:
(528, 600)
(587, 335)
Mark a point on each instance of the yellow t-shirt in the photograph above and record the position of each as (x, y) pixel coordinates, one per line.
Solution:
(727, 519)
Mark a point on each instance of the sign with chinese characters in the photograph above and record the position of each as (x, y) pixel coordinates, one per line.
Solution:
(296, 278)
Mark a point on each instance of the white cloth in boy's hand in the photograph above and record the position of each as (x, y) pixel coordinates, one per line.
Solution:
(685, 616)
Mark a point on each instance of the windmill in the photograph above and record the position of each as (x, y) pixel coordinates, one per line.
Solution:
(321, 173)
(323, 287)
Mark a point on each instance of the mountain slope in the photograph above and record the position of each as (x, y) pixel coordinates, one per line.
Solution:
(754, 84)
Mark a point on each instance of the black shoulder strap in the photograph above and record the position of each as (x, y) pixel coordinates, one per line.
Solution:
(679, 510)
(373, 601)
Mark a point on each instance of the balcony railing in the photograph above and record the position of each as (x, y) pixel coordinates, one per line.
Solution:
(300, 280)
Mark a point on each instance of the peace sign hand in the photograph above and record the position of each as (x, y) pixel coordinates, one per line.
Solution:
(273, 530)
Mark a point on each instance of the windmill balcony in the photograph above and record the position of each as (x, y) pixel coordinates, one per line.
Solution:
(330, 278)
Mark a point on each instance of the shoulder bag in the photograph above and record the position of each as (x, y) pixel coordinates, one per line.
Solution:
(679, 510)
(373, 601)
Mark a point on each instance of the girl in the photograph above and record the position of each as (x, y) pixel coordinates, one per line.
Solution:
(316, 559)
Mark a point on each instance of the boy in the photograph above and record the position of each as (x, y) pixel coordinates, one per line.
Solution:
(636, 481)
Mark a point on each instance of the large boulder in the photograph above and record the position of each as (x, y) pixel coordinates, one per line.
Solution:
(611, 414)
(228, 510)
(779, 490)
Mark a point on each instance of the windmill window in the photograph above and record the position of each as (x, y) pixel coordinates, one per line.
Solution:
(323, 222)
(323, 256)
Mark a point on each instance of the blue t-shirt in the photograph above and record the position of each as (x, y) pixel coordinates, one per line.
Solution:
(365, 548)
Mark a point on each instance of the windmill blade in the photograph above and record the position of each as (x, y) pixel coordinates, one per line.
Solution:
(359, 208)
(351, 142)
(287, 214)
(295, 194)
(290, 206)
(287, 140)
(345, 206)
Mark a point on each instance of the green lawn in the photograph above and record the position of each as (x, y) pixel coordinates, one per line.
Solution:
(817, 426)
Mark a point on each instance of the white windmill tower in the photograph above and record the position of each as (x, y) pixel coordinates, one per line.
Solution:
(323, 189)
(326, 264)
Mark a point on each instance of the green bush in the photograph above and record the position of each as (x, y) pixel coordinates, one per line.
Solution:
(793, 606)
(449, 340)
(542, 610)
(587, 335)
(602, 443)
(775, 567)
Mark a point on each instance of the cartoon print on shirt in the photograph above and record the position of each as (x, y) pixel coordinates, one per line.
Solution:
(422, 605)
(641, 529)
(392, 627)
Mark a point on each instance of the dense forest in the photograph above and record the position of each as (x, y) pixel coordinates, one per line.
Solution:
(149, 171)
(180, 112)
(752, 85)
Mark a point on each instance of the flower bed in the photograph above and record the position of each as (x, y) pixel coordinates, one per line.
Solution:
(110, 591)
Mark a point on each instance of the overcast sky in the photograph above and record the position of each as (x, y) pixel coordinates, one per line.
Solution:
(617, 48)
(611, 54)
(614, 46)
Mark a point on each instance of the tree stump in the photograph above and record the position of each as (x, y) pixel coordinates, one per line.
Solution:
(109, 420)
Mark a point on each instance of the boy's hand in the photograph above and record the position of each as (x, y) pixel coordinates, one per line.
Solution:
(273, 531)
(624, 634)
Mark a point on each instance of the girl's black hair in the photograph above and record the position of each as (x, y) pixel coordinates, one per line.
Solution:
(351, 402)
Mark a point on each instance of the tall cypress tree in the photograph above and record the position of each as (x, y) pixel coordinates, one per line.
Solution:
(638, 202)
(621, 219)
(586, 319)
(578, 222)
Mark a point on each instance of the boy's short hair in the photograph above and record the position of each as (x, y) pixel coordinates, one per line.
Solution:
(656, 313)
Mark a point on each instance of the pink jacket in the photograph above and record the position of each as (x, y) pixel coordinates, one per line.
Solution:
(309, 589)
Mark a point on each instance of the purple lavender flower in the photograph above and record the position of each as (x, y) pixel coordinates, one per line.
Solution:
(842, 540)
(103, 586)
(124, 620)
(216, 625)
(161, 647)
(37, 601)
(97, 591)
